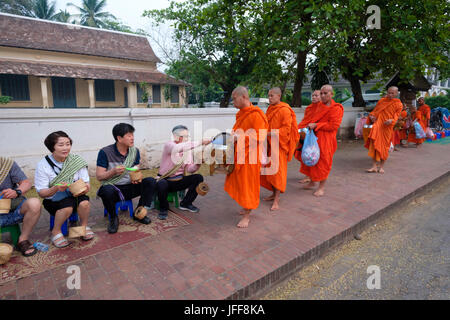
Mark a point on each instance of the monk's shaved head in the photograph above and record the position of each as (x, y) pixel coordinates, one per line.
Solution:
(240, 97)
(274, 96)
(392, 92)
(240, 92)
(327, 87)
(276, 90)
(393, 88)
(326, 94)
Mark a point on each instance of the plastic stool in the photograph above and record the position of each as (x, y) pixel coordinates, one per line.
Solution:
(13, 230)
(172, 197)
(127, 205)
(64, 228)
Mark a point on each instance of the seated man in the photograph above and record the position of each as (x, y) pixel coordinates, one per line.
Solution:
(177, 159)
(112, 162)
(13, 184)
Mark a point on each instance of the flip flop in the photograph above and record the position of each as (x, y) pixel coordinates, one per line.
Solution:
(89, 234)
(24, 246)
(59, 241)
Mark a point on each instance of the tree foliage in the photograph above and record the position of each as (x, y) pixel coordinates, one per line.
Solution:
(92, 14)
(221, 37)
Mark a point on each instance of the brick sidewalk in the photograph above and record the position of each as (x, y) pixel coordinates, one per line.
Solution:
(213, 259)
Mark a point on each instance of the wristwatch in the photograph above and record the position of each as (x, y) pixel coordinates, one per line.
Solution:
(18, 191)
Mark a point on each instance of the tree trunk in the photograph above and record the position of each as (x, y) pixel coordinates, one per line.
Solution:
(226, 98)
(358, 100)
(299, 75)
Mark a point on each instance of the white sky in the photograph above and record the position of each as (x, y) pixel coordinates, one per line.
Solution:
(128, 11)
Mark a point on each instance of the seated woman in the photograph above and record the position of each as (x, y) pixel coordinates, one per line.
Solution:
(53, 175)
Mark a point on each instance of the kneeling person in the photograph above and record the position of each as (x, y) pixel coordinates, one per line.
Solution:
(112, 162)
(171, 174)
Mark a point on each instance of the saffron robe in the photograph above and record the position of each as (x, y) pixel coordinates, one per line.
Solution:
(243, 183)
(328, 119)
(412, 133)
(380, 137)
(281, 117)
(425, 110)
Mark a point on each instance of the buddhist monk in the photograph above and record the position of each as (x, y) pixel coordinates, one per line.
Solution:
(398, 133)
(249, 132)
(416, 115)
(383, 118)
(315, 99)
(425, 110)
(281, 117)
(324, 118)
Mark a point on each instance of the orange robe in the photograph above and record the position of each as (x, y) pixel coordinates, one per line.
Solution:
(380, 137)
(309, 111)
(412, 133)
(328, 119)
(397, 136)
(425, 110)
(281, 117)
(403, 132)
(243, 183)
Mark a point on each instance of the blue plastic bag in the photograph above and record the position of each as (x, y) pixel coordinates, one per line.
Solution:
(310, 150)
(420, 134)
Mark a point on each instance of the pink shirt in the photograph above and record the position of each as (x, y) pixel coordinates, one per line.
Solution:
(178, 149)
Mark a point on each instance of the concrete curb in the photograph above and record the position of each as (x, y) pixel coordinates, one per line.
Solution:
(257, 288)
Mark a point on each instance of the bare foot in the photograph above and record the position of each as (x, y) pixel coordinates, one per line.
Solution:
(395, 149)
(244, 221)
(319, 193)
(310, 186)
(305, 180)
(269, 198)
(242, 212)
(372, 170)
(275, 206)
(381, 171)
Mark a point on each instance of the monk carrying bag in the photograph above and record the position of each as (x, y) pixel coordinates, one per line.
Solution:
(420, 134)
(310, 150)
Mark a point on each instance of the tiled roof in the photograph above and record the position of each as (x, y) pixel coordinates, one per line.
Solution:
(76, 71)
(24, 32)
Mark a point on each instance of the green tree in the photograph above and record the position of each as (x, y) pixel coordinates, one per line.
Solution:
(18, 7)
(43, 9)
(414, 35)
(63, 16)
(222, 38)
(91, 13)
(203, 88)
(439, 101)
(112, 24)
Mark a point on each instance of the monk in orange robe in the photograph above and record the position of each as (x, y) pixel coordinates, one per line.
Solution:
(425, 110)
(282, 118)
(416, 115)
(249, 132)
(325, 119)
(397, 135)
(383, 118)
(315, 99)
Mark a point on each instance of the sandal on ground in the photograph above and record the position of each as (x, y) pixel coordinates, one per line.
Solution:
(25, 246)
(89, 234)
(59, 241)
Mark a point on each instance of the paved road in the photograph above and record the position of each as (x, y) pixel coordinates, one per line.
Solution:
(411, 248)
